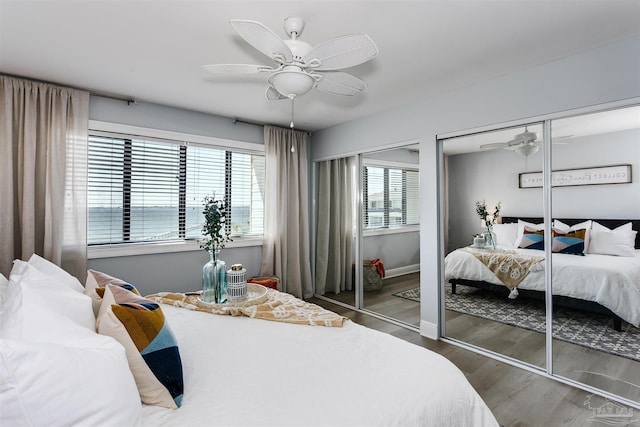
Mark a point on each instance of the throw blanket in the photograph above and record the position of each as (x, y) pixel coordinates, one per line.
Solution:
(508, 266)
(276, 306)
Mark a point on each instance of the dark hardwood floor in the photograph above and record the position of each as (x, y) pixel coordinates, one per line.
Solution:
(516, 396)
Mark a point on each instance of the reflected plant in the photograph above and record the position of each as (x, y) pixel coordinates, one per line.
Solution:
(481, 210)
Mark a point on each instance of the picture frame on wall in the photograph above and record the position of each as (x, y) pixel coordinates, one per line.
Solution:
(614, 174)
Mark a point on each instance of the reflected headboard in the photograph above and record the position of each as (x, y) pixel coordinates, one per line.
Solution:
(609, 223)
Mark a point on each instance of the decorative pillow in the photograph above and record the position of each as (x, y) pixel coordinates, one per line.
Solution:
(96, 282)
(152, 351)
(572, 242)
(561, 227)
(617, 242)
(532, 239)
(521, 226)
(506, 233)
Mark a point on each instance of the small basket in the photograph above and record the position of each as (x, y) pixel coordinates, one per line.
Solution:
(371, 279)
(272, 282)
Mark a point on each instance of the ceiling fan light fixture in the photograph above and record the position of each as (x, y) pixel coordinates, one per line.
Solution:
(291, 83)
(526, 150)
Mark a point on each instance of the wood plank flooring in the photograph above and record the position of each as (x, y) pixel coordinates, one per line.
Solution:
(516, 396)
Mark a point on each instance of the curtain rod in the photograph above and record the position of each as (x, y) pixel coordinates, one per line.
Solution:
(129, 100)
(249, 122)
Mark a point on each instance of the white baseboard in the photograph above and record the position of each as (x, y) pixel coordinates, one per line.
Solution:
(429, 330)
(393, 272)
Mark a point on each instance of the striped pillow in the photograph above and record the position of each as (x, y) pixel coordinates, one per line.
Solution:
(152, 351)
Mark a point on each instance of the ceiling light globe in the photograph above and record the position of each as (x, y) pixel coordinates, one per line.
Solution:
(291, 83)
(527, 149)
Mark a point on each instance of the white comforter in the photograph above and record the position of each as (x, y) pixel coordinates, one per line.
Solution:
(611, 281)
(250, 372)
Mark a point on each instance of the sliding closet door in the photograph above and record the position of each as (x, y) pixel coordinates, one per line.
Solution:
(596, 184)
(484, 301)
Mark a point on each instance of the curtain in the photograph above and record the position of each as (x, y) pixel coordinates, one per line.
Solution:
(43, 173)
(336, 225)
(285, 249)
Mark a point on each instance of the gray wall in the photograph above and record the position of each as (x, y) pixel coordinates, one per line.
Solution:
(607, 74)
(396, 250)
(499, 170)
(178, 271)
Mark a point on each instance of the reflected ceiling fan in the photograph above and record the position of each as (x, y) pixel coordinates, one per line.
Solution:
(525, 143)
(299, 67)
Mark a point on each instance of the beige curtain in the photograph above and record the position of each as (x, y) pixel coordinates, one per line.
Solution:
(335, 231)
(285, 250)
(43, 173)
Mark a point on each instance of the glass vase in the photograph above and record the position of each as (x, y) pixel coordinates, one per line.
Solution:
(214, 280)
(490, 238)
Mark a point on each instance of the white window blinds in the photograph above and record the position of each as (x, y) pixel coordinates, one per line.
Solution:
(390, 197)
(144, 190)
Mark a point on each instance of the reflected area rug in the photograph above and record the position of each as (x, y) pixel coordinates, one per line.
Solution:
(588, 330)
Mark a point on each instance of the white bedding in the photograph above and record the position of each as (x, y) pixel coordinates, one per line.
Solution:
(612, 281)
(251, 372)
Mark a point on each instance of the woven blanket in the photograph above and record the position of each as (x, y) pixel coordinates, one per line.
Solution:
(276, 306)
(508, 266)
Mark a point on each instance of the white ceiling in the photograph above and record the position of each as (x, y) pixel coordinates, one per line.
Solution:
(152, 51)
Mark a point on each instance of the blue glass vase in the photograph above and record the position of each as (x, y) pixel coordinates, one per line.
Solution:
(214, 280)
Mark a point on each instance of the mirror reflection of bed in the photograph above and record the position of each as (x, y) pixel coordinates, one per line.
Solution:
(594, 293)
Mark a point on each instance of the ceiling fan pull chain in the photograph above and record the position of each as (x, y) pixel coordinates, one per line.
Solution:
(291, 124)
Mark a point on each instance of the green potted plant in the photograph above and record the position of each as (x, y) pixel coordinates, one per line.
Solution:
(214, 272)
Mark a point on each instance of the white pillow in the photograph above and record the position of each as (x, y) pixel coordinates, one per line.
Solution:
(4, 283)
(50, 269)
(51, 384)
(506, 233)
(42, 289)
(618, 242)
(531, 227)
(585, 225)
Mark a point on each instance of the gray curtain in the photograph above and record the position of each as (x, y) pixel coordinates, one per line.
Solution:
(335, 232)
(43, 173)
(285, 249)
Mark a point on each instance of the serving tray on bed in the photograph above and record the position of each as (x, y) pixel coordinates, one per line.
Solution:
(256, 294)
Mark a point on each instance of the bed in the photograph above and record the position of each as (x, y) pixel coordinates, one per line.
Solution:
(594, 282)
(236, 370)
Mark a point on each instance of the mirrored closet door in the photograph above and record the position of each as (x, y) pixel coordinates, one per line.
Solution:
(596, 261)
(390, 245)
(367, 242)
(491, 299)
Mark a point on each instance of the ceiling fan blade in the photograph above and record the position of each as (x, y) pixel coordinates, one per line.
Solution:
(339, 83)
(263, 39)
(493, 146)
(236, 68)
(273, 95)
(341, 52)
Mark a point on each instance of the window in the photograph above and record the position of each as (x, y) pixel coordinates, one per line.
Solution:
(145, 189)
(390, 197)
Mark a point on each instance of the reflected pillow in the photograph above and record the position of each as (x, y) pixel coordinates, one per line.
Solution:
(521, 227)
(532, 239)
(506, 233)
(618, 242)
(571, 242)
(565, 228)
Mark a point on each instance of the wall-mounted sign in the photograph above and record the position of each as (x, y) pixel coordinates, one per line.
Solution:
(618, 174)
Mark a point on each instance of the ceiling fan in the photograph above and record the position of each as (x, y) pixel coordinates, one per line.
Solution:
(299, 67)
(525, 143)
